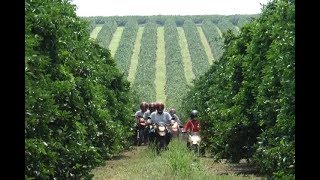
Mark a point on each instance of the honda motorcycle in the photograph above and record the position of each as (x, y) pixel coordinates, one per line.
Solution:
(141, 133)
(161, 140)
(194, 142)
(151, 128)
(175, 128)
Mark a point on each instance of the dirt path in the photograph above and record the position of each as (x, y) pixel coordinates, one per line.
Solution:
(224, 168)
(119, 164)
(120, 167)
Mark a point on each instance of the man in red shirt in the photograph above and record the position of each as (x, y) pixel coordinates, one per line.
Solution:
(192, 123)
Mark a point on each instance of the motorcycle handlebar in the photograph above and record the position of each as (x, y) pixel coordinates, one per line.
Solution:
(166, 124)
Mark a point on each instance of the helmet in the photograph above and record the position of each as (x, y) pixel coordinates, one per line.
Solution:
(172, 111)
(194, 113)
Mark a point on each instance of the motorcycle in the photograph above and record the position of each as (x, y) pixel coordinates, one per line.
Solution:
(194, 142)
(180, 132)
(175, 128)
(151, 128)
(162, 131)
(141, 133)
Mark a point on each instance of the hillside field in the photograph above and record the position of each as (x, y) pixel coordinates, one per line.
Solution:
(164, 54)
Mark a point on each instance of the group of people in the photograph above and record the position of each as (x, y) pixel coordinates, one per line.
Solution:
(154, 112)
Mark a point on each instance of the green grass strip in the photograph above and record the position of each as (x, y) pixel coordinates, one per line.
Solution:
(214, 39)
(186, 59)
(160, 80)
(176, 84)
(219, 31)
(95, 31)
(135, 56)
(198, 55)
(206, 45)
(113, 46)
(144, 82)
(177, 163)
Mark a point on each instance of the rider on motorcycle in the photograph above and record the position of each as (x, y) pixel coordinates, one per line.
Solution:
(141, 122)
(152, 108)
(174, 115)
(146, 115)
(192, 124)
(176, 126)
(161, 116)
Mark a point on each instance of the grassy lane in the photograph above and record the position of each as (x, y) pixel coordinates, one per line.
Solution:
(219, 31)
(206, 45)
(186, 59)
(106, 33)
(160, 80)
(224, 26)
(176, 163)
(135, 58)
(113, 46)
(125, 48)
(213, 38)
(95, 31)
(176, 83)
(198, 55)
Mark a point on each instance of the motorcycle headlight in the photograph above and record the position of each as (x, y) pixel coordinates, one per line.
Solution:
(195, 139)
(162, 128)
(162, 133)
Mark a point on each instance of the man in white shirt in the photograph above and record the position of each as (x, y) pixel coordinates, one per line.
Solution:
(141, 123)
(161, 116)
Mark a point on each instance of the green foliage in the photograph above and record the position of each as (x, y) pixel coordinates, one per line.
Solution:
(236, 20)
(215, 41)
(92, 23)
(277, 91)
(199, 58)
(77, 103)
(105, 34)
(246, 101)
(124, 51)
(200, 63)
(244, 19)
(226, 24)
(145, 75)
(176, 84)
